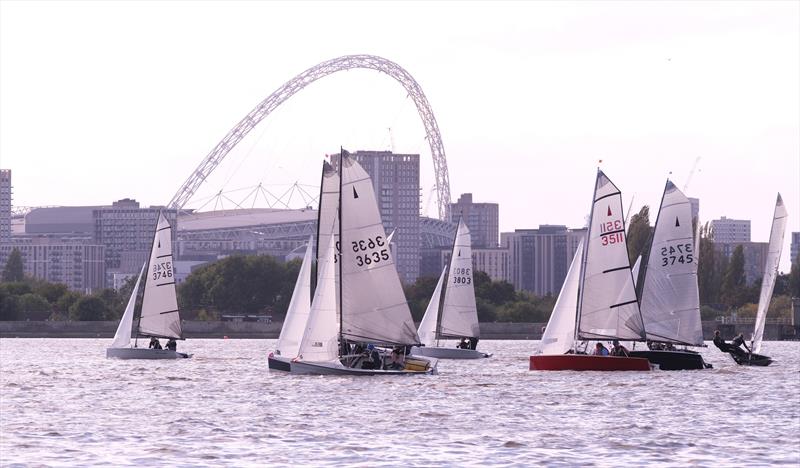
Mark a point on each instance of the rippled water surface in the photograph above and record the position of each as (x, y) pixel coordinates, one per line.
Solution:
(64, 403)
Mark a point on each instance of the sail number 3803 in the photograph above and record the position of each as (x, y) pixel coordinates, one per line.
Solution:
(462, 276)
(369, 251)
(678, 253)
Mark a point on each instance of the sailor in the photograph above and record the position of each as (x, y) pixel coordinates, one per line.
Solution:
(172, 345)
(600, 350)
(375, 361)
(154, 343)
(473, 343)
(397, 360)
(464, 344)
(619, 350)
(734, 347)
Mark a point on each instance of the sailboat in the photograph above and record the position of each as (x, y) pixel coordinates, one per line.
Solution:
(777, 231)
(296, 317)
(371, 303)
(159, 316)
(670, 298)
(457, 315)
(602, 293)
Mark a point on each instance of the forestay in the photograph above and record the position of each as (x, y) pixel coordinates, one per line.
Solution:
(373, 304)
(670, 299)
(770, 270)
(459, 313)
(321, 336)
(122, 338)
(427, 327)
(559, 335)
(608, 305)
(299, 308)
(160, 315)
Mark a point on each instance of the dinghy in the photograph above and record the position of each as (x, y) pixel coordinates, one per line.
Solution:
(670, 299)
(457, 316)
(159, 316)
(598, 300)
(373, 311)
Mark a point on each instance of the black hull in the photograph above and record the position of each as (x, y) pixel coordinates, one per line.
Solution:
(673, 360)
(752, 359)
(280, 364)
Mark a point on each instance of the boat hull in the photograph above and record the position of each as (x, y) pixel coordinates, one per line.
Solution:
(447, 353)
(280, 363)
(425, 366)
(587, 362)
(144, 353)
(752, 359)
(673, 360)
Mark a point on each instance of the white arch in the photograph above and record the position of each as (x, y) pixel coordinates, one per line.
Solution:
(347, 62)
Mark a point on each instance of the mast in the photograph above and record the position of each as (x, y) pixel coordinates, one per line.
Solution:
(583, 260)
(319, 215)
(341, 258)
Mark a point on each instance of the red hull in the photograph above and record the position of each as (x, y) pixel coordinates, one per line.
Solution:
(586, 362)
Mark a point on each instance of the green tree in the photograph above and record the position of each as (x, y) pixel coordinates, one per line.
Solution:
(88, 308)
(13, 271)
(418, 295)
(639, 231)
(50, 291)
(64, 304)
(34, 307)
(733, 292)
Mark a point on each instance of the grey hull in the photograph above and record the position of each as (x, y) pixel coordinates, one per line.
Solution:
(280, 363)
(337, 368)
(447, 353)
(144, 353)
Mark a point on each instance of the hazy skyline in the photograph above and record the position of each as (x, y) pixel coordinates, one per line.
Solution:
(101, 101)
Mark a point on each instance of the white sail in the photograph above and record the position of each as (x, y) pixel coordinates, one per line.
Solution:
(635, 272)
(390, 236)
(427, 327)
(328, 211)
(559, 335)
(373, 305)
(670, 298)
(770, 270)
(299, 308)
(160, 315)
(122, 338)
(321, 336)
(608, 307)
(459, 313)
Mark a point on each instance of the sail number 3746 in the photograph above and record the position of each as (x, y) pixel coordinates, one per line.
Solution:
(162, 270)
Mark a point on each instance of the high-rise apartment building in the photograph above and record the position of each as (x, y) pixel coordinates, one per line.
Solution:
(81, 267)
(482, 219)
(395, 178)
(795, 246)
(730, 230)
(695, 204)
(755, 257)
(539, 258)
(5, 205)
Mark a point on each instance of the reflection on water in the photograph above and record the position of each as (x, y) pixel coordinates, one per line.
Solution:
(63, 402)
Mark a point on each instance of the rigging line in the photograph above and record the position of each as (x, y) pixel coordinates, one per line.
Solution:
(247, 154)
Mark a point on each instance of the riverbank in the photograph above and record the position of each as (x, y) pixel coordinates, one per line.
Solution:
(217, 329)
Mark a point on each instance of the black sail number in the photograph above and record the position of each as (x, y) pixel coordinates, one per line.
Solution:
(369, 250)
(162, 270)
(677, 253)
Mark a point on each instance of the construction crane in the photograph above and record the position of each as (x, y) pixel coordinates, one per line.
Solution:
(691, 173)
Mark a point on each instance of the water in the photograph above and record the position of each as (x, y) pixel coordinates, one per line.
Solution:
(63, 403)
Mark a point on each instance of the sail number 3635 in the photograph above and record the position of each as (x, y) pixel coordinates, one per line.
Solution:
(368, 258)
(162, 270)
(678, 253)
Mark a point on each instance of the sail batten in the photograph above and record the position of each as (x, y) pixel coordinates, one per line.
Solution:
(159, 316)
(774, 249)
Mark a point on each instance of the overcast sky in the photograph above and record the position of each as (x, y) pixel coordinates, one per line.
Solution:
(105, 100)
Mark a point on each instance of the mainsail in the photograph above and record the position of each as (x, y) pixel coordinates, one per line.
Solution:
(770, 270)
(299, 308)
(559, 335)
(159, 316)
(373, 305)
(670, 299)
(321, 336)
(427, 327)
(122, 338)
(608, 307)
(459, 313)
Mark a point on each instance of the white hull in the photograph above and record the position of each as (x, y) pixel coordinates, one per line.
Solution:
(447, 353)
(144, 353)
(337, 368)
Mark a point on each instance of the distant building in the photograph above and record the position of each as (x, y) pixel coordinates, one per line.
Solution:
(494, 262)
(695, 204)
(539, 258)
(395, 178)
(5, 205)
(795, 248)
(730, 230)
(755, 257)
(482, 219)
(81, 267)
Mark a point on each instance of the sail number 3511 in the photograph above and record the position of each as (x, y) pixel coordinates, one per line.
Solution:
(678, 253)
(368, 258)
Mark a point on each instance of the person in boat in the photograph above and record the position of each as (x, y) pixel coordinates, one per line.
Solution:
(154, 343)
(172, 345)
(600, 350)
(372, 358)
(734, 347)
(397, 361)
(655, 346)
(738, 342)
(619, 350)
(473, 343)
(464, 344)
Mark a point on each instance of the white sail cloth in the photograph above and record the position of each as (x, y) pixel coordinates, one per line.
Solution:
(559, 335)
(299, 308)
(608, 307)
(122, 338)
(160, 315)
(373, 305)
(328, 212)
(779, 220)
(459, 312)
(428, 325)
(321, 331)
(670, 298)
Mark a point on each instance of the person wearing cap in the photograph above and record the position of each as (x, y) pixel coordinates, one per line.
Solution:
(618, 349)
(375, 361)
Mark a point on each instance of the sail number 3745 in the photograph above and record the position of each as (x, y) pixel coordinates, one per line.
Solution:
(678, 253)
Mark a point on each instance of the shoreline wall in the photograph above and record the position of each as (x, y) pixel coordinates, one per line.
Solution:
(256, 330)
